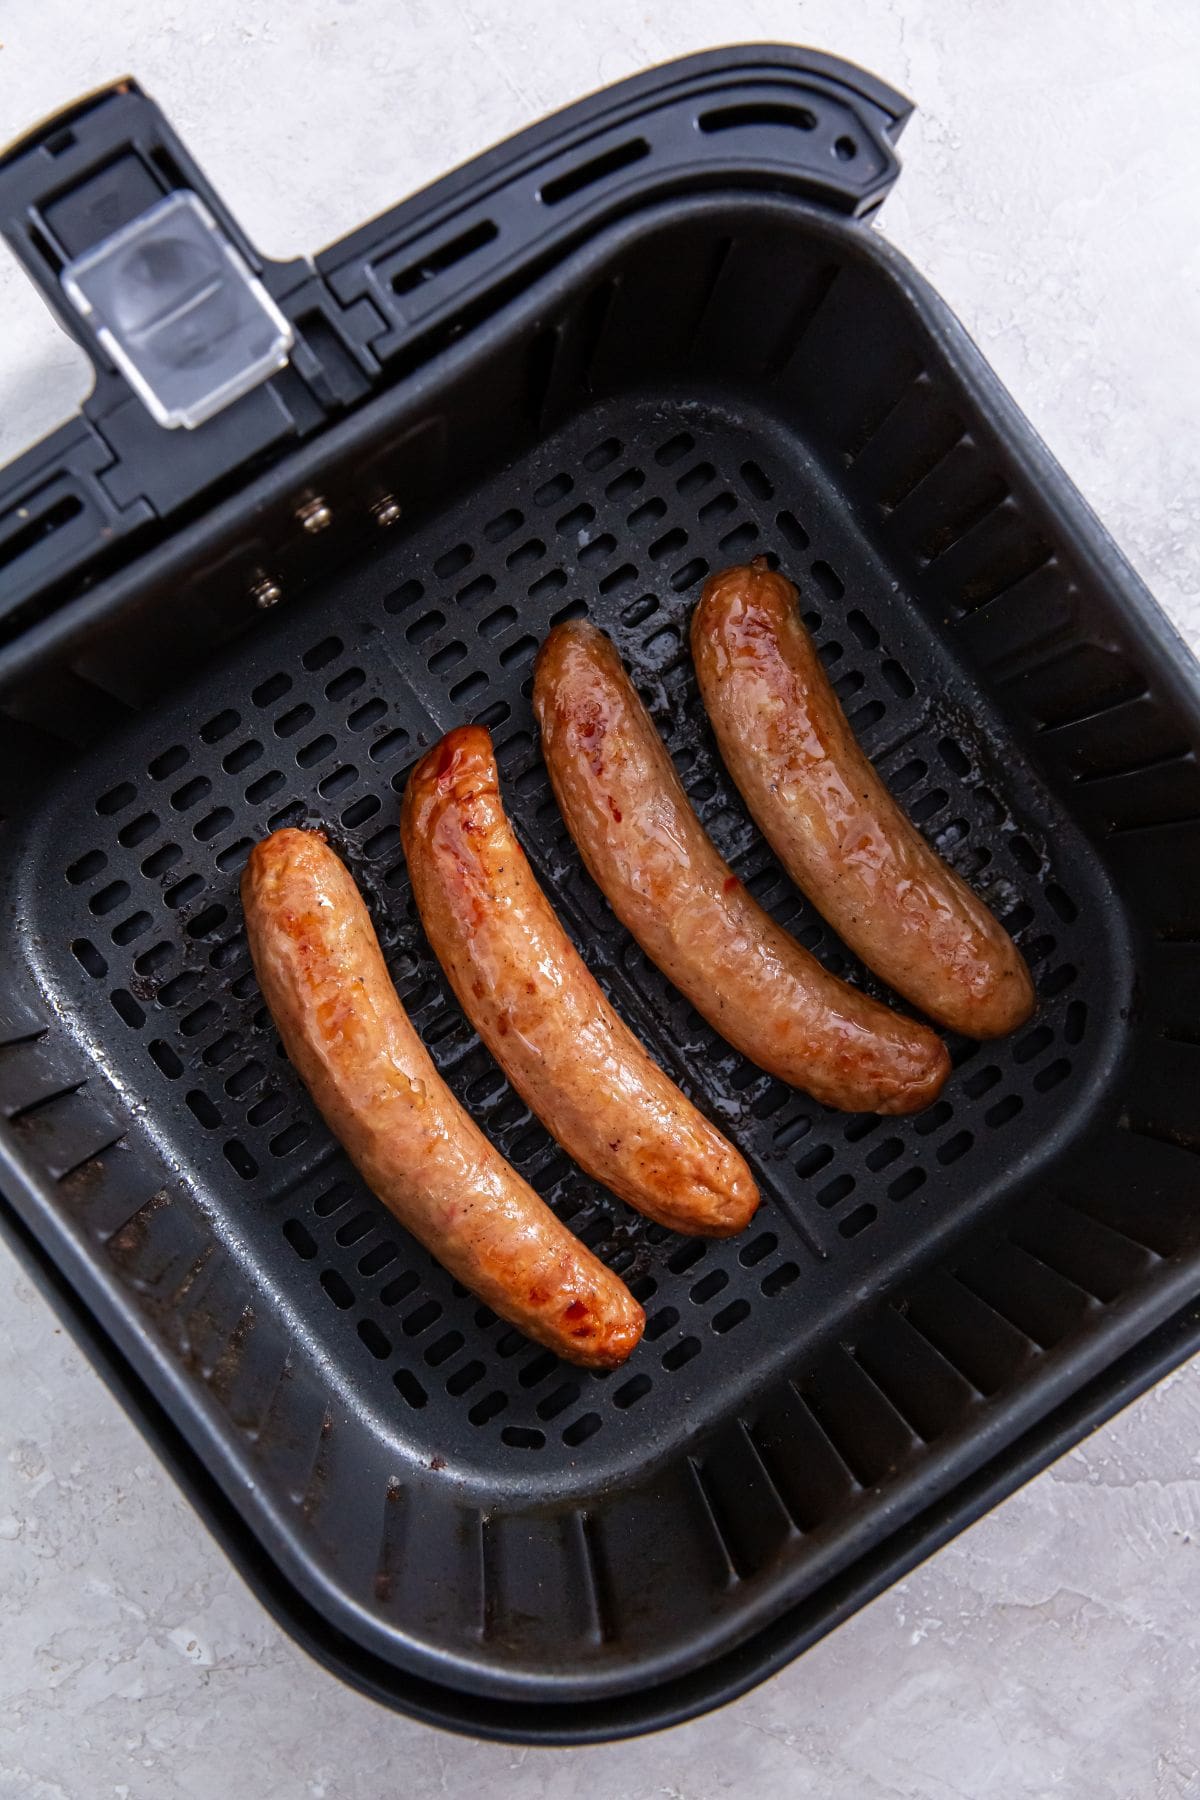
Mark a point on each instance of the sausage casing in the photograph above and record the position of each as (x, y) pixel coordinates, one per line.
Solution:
(831, 821)
(540, 1012)
(645, 848)
(324, 979)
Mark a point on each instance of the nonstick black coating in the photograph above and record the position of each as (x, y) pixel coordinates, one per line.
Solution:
(915, 1293)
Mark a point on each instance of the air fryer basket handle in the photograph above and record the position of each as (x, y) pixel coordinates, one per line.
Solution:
(86, 173)
(84, 179)
(389, 296)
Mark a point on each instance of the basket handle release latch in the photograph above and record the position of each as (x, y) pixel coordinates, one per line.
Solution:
(188, 328)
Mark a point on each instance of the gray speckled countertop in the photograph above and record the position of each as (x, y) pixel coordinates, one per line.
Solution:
(1052, 192)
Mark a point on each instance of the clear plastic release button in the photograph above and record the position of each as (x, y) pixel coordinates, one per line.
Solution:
(179, 312)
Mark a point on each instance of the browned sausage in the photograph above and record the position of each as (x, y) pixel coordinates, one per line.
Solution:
(626, 809)
(830, 820)
(530, 996)
(323, 976)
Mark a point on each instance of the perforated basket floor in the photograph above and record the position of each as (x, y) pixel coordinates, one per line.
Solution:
(322, 723)
(445, 1494)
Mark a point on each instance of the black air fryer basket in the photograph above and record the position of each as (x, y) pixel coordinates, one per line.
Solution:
(648, 338)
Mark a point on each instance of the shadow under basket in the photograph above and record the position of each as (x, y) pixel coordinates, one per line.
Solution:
(708, 356)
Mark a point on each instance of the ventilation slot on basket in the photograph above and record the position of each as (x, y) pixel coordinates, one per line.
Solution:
(18, 543)
(445, 256)
(599, 168)
(762, 112)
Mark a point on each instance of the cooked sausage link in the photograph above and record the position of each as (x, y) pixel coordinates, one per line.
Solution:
(323, 976)
(831, 821)
(664, 878)
(534, 1003)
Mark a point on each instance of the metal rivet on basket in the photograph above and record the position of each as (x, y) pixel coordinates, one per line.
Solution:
(266, 592)
(387, 510)
(315, 514)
